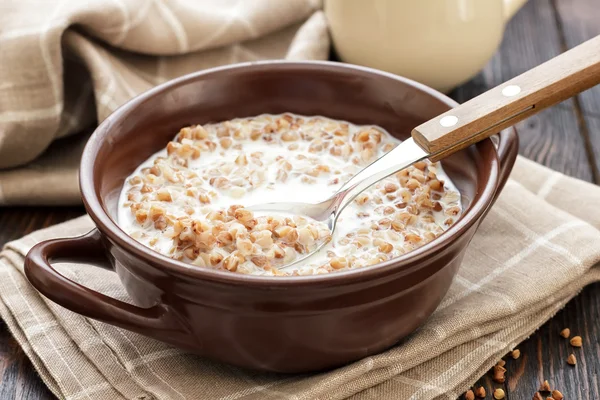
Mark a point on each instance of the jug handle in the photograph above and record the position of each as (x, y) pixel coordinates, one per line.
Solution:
(511, 7)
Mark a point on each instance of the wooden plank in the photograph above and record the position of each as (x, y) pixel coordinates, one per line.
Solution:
(579, 22)
(544, 355)
(18, 378)
(552, 137)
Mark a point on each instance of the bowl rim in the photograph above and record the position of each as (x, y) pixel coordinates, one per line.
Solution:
(111, 230)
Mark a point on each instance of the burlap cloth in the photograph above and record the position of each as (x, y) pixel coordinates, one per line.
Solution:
(538, 247)
(65, 64)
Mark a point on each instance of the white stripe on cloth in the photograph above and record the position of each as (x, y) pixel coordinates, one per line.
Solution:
(34, 30)
(367, 362)
(541, 241)
(237, 17)
(365, 365)
(31, 115)
(267, 387)
(241, 53)
(34, 330)
(221, 30)
(525, 230)
(140, 15)
(10, 272)
(90, 390)
(489, 292)
(123, 30)
(157, 355)
(443, 379)
(107, 97)
(425, 386)
(547, 186)
(148, 366)
(53, 75)
(171, 19)
(74, 117)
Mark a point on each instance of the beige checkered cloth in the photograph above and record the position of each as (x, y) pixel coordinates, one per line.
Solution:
(65, 64)
(538, 247)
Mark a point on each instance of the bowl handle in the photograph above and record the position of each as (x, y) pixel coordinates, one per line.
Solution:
(80, 299)
(508, 149)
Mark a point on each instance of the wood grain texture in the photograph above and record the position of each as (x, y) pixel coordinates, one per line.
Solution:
(592, 124)
(542, 86)
(552, 137)
(556, 138)
(544, 355)
(579, 21)
(18, 379)
(548, 352)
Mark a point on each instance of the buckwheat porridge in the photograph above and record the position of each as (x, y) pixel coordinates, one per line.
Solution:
(187, 201)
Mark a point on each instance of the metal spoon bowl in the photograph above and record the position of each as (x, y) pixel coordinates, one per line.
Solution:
(328, 211)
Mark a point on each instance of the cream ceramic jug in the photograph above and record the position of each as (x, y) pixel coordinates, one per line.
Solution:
(441, 43)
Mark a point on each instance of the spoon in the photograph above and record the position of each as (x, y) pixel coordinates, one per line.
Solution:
(501, 107)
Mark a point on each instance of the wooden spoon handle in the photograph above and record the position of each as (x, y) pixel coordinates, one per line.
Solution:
(550, 83)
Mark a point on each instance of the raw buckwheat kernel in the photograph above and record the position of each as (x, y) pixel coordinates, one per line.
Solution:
(469, 395)
(565, 333)
(498, 394)
(498, 374)
(576, 341)
(545, 387)
(556, 395)
(480, 392)
(187, 201)
(571, 360)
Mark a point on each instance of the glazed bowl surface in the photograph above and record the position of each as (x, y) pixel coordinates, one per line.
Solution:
(282, 324)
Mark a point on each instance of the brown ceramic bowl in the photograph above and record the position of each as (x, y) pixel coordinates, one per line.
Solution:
(283, 324)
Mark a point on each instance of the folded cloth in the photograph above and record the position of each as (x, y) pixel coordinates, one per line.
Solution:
(66, 64)
(537, 248)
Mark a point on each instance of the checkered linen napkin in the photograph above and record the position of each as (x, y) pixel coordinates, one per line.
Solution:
(537, 248)
(65, 64)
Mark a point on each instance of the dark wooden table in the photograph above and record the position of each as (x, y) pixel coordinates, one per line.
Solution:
(565, 138)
